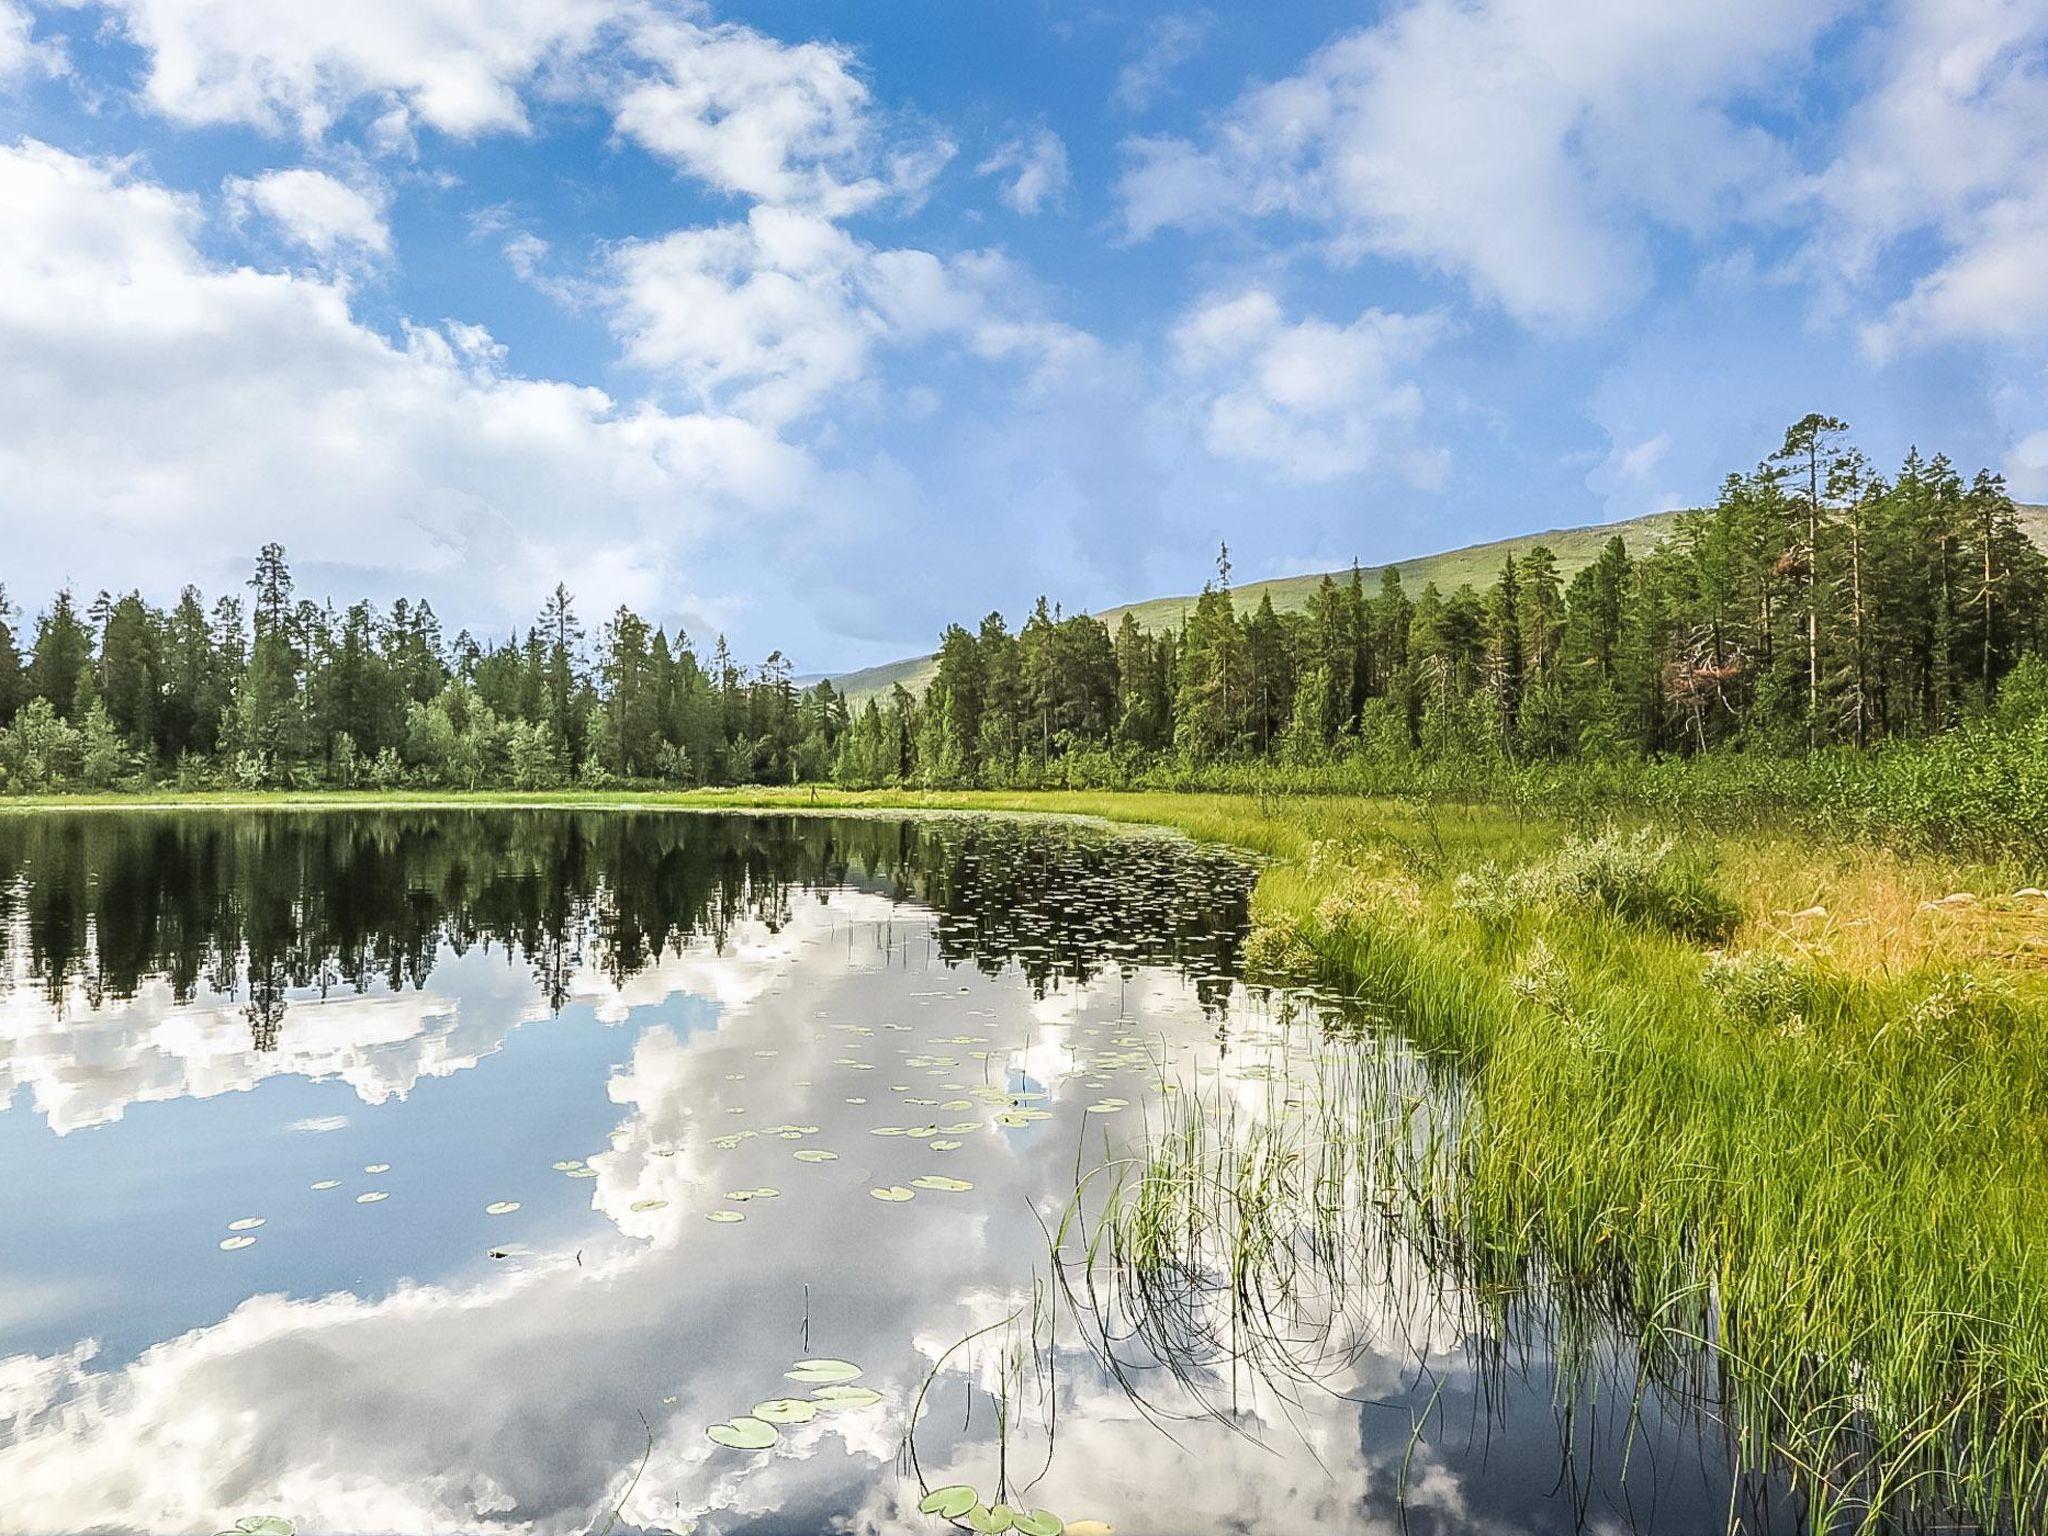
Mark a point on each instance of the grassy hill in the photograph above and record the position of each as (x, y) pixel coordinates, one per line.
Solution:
(1477, 564)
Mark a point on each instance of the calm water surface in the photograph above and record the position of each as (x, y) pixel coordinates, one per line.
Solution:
(461, 1172)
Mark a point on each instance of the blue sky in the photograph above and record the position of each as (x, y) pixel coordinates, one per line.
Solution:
(821, 325)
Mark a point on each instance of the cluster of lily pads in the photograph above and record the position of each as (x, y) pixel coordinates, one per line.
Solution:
(963, 1506)
(833, 1390)
(243, 1228)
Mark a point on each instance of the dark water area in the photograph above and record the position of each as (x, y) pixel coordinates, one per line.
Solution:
(558, 1172)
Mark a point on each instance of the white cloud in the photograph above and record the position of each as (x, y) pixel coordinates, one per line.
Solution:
(457, 65)
(2026, 467)
(773, 121)
(173, 413)
(314, 210)
(1522, 146)
(1170, 41)
(1642, 461)
(1952, 143)
(771, 316)
(1308, 399)
(1036, 166)
(20, 54)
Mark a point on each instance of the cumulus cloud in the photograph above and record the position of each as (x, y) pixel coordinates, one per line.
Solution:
(455, 65)
(1520, 146)
(769, 316)
(1170, 41)
(20, 54)
(313, 209)
(2026, 466)
(1035, 166)
(157, 403)
(760, 118)
(1309, 399)
(1952, 144)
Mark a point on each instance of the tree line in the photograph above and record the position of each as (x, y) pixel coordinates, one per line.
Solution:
(1817, 603)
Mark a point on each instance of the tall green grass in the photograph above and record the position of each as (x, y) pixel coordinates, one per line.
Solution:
(1838, 1183)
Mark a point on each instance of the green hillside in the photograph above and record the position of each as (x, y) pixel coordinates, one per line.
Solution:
(1477, 564)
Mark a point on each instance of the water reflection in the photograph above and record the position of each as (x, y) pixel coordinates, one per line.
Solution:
(683, 1013)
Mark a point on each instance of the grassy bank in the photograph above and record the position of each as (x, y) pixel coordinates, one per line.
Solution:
(1783, 1092)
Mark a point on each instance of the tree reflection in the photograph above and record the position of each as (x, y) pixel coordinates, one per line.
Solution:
(262, 906)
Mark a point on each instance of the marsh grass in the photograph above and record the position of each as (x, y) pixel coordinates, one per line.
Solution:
(1833, 1182)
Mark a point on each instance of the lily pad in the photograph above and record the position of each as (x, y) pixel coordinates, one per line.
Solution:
(581, 1173)
(786, 1410)
(1040, 1522)
(950, 1502)
(724, 1216)
(816, 1155)
(895, 1194)
(328, 1184)
(501, 1207)
(567, 1165)
(991, 1520)
(376, 1168)
(829, 1372)
(835, 1399)
(649, 1205)
(944, 1144)
(743, 1434)
(265, 1525)
(372, 1197)
(234, 1244)
(940, 1181)
(1090, 1528)
(246, 1224)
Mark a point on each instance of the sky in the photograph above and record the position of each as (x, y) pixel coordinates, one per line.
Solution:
(821, 326)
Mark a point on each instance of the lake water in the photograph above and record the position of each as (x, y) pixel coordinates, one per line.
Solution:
(524, 1171)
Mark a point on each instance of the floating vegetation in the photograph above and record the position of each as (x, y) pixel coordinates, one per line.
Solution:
(725, 1217)
(648, 1205)
(328, 1184)
(501, 1207)
(567, 1165)
(824, 1372)
(950, 1502)
(246, 1224)
(837, 1398)
(815, 1155)
(786, 1410)
(940, 1181)
(895, 1194)
(743, 1434)
(236, 1244)
(262, 1525)
(377, 1168)
(372, 1197)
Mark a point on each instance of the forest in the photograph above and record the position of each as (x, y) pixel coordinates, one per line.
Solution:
(1817, 604)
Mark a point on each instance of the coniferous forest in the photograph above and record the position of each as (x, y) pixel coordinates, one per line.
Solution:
(1818, 604)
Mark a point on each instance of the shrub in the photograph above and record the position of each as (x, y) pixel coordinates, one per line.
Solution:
(1638, 877)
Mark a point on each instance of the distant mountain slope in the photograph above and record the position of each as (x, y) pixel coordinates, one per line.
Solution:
(1477, 564)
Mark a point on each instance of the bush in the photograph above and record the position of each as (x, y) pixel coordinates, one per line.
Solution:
(1639, 877)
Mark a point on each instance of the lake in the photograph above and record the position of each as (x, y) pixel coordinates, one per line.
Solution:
(546, 1171)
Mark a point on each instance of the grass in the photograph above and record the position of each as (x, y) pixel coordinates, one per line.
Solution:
(1786, 1093)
